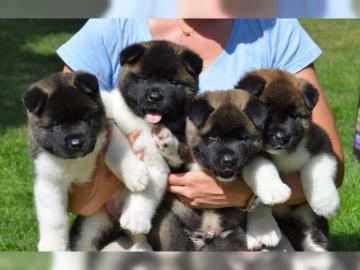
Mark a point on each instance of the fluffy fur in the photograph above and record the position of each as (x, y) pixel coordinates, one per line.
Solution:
(67, 131)
(224, 132)
(296, 144)
(157, 82)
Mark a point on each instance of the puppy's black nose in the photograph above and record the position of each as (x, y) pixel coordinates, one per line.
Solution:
(229, 160)
(74, 143)
(281, 137)
(155, 96)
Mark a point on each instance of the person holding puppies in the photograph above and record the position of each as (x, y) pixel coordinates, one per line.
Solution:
(230, 48)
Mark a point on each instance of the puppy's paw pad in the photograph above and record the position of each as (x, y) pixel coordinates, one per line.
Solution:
(136, 223)
(275, 195)
(166, 141)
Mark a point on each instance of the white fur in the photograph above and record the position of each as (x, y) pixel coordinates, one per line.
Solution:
(263, 178)
(318, 175)
(318, 181)
(139, 207)
(53, 179)
(211, 222)
(316, 261)
(122, 161)
(308, 244)
(69, 261)
(262, 229)
(292, 162)
(91, 228)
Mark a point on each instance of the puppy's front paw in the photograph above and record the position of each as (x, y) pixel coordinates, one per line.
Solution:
(166, 141)
(326, 206)
(52, 245)
(274, 194)
(259, 237)
(262, 229)
(253, 244)
(136, 177)
(135, 222)
(141, 247)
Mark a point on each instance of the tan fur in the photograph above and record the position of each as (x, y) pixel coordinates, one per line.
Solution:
(223, 102)
(290, 86)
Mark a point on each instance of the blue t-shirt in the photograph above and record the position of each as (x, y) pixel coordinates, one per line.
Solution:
(253, 44)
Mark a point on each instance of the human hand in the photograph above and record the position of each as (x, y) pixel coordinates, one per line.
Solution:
(87, 199)
(198, 189)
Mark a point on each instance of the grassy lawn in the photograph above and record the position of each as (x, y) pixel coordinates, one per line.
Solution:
(27, 52)
(24, 261)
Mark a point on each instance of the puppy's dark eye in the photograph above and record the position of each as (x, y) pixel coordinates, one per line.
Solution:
(244, 137)
(176, 83)
(51, 124)
(295, 115)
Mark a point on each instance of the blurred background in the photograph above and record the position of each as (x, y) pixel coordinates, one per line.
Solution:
(180, 261)
(180, 8)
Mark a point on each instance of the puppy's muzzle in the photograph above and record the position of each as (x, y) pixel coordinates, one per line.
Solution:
(75, 143)
(155, 95)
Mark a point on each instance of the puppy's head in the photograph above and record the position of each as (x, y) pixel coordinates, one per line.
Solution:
(158, 80)
(65, 113)
(224, 131)
(290, 101)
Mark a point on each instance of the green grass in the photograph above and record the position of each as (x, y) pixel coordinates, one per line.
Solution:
(24, 261)
(27, 53)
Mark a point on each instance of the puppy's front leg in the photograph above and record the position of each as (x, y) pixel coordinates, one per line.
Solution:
(262, 229)
(264, 180)
(122, 161)
(140, 207)
(51, 200)
(318, 181)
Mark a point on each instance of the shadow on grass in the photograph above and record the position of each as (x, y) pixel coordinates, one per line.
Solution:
(344, 242)
(22, 64)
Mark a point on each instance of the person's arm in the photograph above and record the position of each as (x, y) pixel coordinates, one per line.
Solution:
(323, 117)
(67, 69)
(199, 190)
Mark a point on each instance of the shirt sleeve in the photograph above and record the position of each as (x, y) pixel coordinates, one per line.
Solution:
(291, 48)
(94, 49)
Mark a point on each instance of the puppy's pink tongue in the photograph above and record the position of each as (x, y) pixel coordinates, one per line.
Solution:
(153, 117)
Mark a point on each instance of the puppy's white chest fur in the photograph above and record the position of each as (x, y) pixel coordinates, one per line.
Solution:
(295, 161)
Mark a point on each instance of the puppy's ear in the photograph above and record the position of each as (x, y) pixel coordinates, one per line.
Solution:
(86, 82)
(253, 84)
(131, 54)
(35, 100)
(257, 112)
(310, 95)
(200, 111)
(193, 62)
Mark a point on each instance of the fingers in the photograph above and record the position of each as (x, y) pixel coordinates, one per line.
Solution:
(177, 179)
(178, 190)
